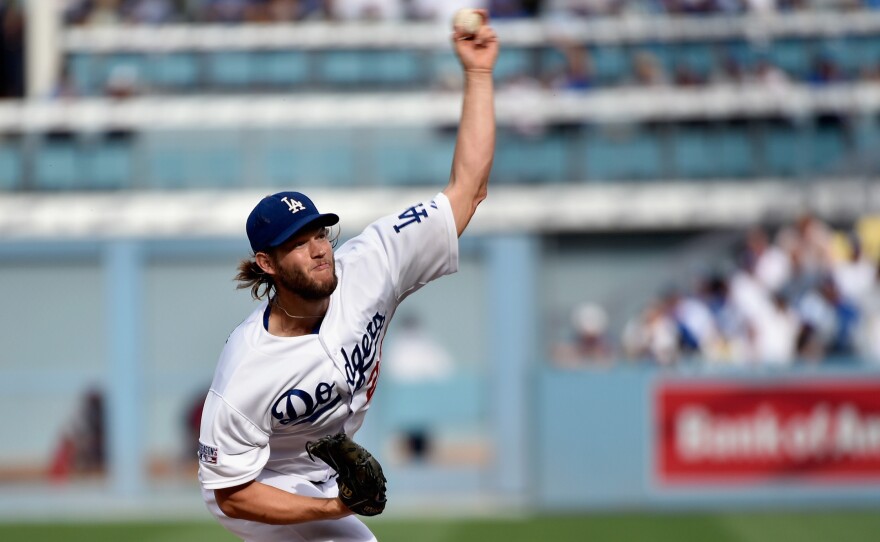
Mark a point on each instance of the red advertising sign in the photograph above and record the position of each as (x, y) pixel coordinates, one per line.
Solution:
(754, 432)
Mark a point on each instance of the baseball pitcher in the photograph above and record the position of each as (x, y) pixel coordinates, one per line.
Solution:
(276, 457)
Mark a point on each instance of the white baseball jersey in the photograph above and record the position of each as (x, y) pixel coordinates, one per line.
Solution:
(272, 394)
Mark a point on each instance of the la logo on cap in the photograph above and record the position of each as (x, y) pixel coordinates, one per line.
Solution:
(292, 205)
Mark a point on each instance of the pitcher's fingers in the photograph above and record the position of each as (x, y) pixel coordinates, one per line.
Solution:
(485, 35)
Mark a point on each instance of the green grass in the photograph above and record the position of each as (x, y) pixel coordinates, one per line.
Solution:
(862, 526)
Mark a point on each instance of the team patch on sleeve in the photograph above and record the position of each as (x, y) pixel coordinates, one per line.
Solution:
(207, 454)
(412, 215)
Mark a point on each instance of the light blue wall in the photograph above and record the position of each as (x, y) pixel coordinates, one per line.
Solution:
(85, 313)
(171, 305)
(596, 441)
(591, 432)
(52, 336)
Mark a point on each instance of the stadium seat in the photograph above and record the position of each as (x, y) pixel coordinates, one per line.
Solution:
(217, 164)
(622, 153)
(707, 151)
(231, 69)
(308, 159)
(551, 60)
(513, 62)
(866, 135)
(341, 68)
(58, 164)
(828, 146)
(177, 71)
(166, 166)
(397, 68)
(81, 72)
(193, 159)
(695, 152)
(412, 158)
(284, 68)
(743, 53)
(536, 159)
(785, 150)
(697, 57)
(611, 64)
(397, 160)
(110, 163)
(866, 50)
(278, 165)
(438, 158)
(10, 166)
(444, 65)
(842, 53)
(793, 56)
(329, 165)
(736, 154)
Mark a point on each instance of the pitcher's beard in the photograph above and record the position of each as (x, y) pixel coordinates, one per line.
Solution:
(306, 287)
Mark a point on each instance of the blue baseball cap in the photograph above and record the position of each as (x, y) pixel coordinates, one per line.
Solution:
(280, 216)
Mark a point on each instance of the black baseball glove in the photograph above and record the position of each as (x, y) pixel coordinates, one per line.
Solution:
(360, 479)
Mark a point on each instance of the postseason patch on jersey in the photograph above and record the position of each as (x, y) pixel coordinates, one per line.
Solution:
(207, 454)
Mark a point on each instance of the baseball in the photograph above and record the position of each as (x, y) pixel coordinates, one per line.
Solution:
(467, 20)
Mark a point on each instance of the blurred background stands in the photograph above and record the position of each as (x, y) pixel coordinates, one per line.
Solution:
(676, 194)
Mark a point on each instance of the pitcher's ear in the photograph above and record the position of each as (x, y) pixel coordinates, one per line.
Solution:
(266, 262)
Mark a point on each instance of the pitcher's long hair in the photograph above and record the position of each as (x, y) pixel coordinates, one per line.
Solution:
(250, 275)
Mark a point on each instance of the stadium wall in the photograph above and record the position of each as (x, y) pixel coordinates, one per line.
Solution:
(144, 320)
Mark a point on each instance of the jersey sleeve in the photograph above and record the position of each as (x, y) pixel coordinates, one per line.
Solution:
(419, 244)
(232, 449)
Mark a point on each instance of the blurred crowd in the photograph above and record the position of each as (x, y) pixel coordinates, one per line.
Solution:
(102, 12)
(576, 66)
(96, 12)
(571, 64)
(642, 67)
(808, 295)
